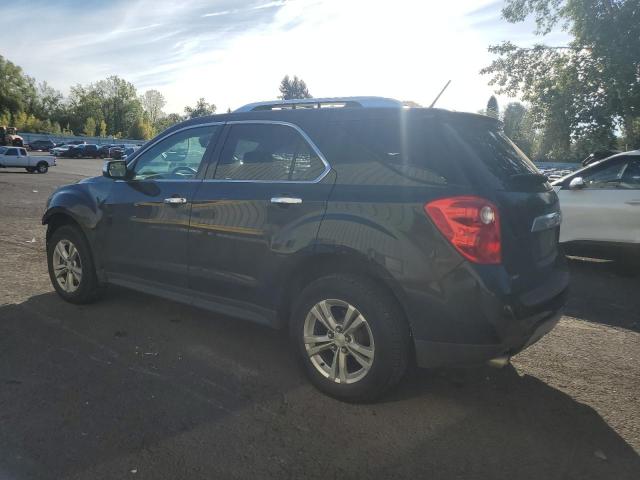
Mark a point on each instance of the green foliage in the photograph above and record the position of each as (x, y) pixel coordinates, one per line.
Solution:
(17, 90)
(201, 109)
(291, 89)
(518, 126)
(102, 128)
(89, 128)
(579, 94)
(141, 129)
(168, 121)
(492, 107)
(152, 103)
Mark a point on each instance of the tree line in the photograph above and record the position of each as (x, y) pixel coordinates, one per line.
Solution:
(109, 107)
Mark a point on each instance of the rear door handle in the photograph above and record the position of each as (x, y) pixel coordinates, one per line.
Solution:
(633, 202)
(286, 200)
(175, 200)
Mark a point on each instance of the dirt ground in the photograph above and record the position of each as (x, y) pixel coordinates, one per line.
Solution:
(138, 387)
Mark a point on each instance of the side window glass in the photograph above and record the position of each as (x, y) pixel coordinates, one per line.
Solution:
(631, 175)
(267, 152)
(179, 156)
(23, 152)
(12, 151)
(606, 176)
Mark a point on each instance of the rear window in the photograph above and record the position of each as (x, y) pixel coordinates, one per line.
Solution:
(484, 145)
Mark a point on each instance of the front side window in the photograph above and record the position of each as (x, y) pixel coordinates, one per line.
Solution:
(631, 175)
(179, 156)
(12, 151)
(23, 152)
(605, 176)
(268, 152)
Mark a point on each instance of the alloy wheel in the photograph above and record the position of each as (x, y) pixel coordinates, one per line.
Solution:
(338, 341)
(67, 266)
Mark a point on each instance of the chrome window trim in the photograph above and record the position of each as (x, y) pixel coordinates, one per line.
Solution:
(303, 134)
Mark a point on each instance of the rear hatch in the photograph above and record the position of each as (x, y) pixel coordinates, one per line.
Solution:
(495, 169)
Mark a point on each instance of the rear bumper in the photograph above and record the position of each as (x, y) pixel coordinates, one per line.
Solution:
(434, 354)
(482, 313)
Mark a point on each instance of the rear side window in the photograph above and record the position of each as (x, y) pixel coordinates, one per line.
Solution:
(267, 152)
(391, 150)
(12, 152)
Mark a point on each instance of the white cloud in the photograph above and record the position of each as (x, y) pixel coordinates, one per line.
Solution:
(233, 52)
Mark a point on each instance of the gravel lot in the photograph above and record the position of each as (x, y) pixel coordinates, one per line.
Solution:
(137, 387)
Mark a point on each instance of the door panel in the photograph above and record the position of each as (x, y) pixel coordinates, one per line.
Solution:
(608, 208)
(147, 216)
(239, 239)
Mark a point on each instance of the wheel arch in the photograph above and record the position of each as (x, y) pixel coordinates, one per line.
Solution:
(319, 265)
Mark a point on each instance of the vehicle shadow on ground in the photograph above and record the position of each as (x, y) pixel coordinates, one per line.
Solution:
(604, 292)
(135, 382)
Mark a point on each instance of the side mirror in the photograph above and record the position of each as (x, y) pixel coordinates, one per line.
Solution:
(116, 169)
(577, 183)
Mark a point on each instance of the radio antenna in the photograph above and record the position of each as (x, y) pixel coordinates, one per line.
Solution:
(441, 92)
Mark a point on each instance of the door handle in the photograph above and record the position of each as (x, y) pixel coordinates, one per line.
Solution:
(175, 200)
(633, 202)
(286, 200)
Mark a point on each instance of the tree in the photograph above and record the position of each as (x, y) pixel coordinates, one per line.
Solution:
(291, 89)
(201, 109)
(152, 103)
(17, 90)
(492, 107)
(587, 89)
(89, 127)
(519, 127)
(168, 121)
(102, 128)
(141, 129)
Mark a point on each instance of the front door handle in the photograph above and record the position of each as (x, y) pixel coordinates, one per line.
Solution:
(633, 202)
(286, 200)
(175, 200)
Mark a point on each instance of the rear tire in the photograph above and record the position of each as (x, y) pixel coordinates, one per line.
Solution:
(30, 169)
(71, 268)
(366, 352)
(42, 167)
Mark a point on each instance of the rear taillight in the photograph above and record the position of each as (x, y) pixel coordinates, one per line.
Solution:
(471, 224)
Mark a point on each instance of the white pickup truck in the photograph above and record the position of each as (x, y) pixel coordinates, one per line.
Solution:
(17, 157)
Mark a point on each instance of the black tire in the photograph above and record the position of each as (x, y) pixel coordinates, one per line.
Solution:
(387, 325)
(42, 167)
(30, 169)
(88, 287)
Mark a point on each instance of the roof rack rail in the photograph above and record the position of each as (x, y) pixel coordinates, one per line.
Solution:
(309, 103)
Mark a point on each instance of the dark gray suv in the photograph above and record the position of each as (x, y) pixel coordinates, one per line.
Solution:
(379, 235)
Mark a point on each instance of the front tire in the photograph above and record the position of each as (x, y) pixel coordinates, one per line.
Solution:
(351, 337)
(71, 268)
(42, 167)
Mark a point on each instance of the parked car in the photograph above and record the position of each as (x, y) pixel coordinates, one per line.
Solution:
(104, 150)
(82, 151)
(60, 149)
(601, 208)
(41, 145)
(17, 157)
(378, 235)
(128, 152)
(118, 151)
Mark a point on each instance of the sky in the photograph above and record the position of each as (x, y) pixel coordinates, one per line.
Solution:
(236, 52)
